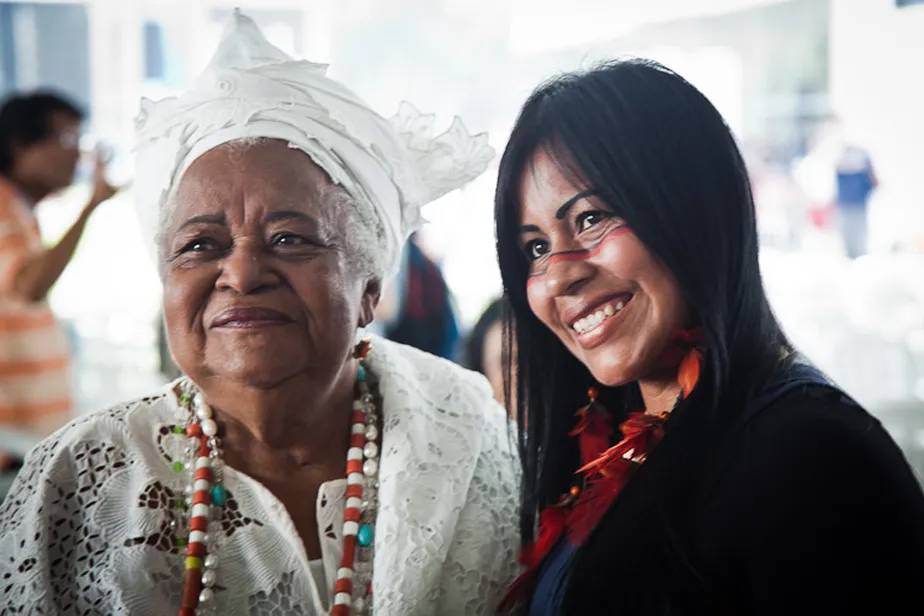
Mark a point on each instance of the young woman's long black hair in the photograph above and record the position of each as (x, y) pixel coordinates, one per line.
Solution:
(659, 154)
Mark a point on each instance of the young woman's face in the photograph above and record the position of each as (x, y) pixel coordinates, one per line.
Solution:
(592, 282)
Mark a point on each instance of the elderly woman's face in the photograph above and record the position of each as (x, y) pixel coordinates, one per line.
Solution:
(592, 282)
(257, 286)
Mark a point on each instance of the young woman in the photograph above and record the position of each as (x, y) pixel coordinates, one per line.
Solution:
(709, 468)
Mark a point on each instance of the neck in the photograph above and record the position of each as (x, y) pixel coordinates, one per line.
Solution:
(29, 191)
(272, 431)
(659, 394)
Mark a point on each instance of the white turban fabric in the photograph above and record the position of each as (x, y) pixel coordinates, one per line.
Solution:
(252, 89)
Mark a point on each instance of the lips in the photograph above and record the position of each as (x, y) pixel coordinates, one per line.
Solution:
(249, 317)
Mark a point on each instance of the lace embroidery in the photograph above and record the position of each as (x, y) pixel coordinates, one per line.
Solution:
(277, 602)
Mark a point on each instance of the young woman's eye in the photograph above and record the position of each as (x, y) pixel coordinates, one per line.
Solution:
(534, 249)
(288, 239)
(586, 220)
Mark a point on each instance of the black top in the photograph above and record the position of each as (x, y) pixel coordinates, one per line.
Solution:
(806, 507)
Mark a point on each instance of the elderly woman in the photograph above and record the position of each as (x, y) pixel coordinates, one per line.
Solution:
(293, 469)
(710, 469)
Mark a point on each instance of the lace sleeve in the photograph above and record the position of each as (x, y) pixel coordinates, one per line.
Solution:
(25, 536)
(482, 562)
(52, 556)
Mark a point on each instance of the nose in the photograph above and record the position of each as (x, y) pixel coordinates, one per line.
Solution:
(567, 276)
(246, 270)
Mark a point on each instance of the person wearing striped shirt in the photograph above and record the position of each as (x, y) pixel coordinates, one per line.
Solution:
(39, 135)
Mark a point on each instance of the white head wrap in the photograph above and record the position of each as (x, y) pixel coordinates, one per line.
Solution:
(252, 89)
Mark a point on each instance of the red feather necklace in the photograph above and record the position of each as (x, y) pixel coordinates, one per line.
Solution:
(605, 470)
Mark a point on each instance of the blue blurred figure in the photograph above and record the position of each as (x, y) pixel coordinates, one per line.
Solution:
(855, 182)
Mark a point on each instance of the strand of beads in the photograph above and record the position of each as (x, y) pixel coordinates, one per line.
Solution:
(353, 588)
(205, 489)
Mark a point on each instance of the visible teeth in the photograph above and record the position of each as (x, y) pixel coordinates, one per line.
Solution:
(593, 320)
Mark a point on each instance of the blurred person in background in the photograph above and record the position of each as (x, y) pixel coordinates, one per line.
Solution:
(679, 455)
(484, 347)
(856, 180)
(417, 309)
(294, 467)
(39, 135)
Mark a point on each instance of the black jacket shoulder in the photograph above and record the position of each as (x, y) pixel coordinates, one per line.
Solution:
(805, 506)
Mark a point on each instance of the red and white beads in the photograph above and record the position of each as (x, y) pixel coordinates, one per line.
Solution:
(205, 493)
(353, 588)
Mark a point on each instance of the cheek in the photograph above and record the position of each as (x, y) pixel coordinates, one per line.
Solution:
(538, 299)
(668, 304)
(620, 254)
(329, 295)
(185, 295)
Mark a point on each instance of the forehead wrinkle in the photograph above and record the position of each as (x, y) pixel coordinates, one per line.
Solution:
(193, 200)
(308, 205)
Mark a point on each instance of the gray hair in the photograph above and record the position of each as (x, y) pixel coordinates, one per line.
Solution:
(362, 232)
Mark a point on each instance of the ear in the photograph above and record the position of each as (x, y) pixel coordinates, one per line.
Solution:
(370, 299)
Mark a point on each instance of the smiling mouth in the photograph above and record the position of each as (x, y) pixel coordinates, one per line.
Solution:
(601, 315)
(249, 318)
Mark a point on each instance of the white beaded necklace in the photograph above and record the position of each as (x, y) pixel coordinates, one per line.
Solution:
(206, 495)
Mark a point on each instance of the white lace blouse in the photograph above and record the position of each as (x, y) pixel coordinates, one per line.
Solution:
(88, 527)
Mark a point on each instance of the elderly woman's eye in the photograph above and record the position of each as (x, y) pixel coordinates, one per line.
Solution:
(288, 239)
(534, 249)
(199, 245)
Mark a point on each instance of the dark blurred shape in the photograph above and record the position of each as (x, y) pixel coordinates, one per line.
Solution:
(26, 121)
(425, 317)
(484, 347)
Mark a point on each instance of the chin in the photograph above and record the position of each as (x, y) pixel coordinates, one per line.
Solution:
(612, 371)
(257, 370)
(264, 377)
(612, 377)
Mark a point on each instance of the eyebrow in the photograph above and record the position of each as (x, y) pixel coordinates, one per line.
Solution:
(213, 219)
(288, 215)
(219, 219)
(560, 212)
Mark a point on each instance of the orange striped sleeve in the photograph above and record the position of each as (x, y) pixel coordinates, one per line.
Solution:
(34, 367)
(26, 413)
(14, 248)
(12, 242)
(24, 322)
